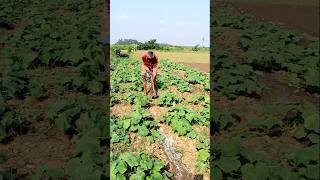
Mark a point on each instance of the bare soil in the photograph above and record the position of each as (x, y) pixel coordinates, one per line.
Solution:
(43, 144)
(304, 19)
(205, 67)
(47, 146)
(197, 88)
(158, 112)
(186, 147)
(275, 147)
(280, 90)
(141, 144)
(229, 42)
(121, 109)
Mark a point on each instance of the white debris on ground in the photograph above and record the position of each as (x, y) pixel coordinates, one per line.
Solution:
(181, 172)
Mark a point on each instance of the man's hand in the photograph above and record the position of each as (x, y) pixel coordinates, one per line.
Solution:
(148, 70)
(154, 74)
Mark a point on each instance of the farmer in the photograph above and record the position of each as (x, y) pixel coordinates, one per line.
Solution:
(149, 66)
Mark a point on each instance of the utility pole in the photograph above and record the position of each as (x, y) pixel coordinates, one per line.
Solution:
(202, 41)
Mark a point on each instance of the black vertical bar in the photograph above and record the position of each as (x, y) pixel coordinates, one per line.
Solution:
(212, 126)
(106, 51)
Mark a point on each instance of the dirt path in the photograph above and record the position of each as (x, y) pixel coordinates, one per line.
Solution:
(304, 19)
(200, 66)
(229, 42)
(280, 90)
(47, 146)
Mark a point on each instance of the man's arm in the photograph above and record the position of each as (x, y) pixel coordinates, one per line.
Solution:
(154, 71)
(155, 68)
(147, 69)
(153, 77)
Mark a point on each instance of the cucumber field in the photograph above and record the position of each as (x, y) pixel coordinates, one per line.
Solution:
(141, 125)
(254, 114)
(265, 97)
(52, 100)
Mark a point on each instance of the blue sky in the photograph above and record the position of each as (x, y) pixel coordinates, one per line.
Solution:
(176, 22)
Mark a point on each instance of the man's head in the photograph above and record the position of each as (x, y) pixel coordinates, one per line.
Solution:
(150, 54)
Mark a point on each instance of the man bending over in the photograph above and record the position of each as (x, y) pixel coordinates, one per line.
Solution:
(149, 66)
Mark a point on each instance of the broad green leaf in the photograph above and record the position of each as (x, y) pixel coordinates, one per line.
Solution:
(156, 176)
(314, 138)
(62, 122)
(299, 132)
(122, 167)
(192, 134)
(252, 172)
(253, 156)
(216, 174)
(228, 164)
(312, 77)
(139, 175)
(84, 121)
(313, 171)
(131, 160)
(230, 148)
(311, 122)
(143, 130)
(88, 144)
(55, 173)
(203, 155)
(95, 87)
(157, 166)
(120, 177)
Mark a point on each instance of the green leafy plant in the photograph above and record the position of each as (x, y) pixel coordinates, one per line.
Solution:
(169, 99)
(44, 42)
(222, 120)
(76, 115)
(114, 100)
(200, 99)
(36, 87)
(10, 120)
(203, 154)
(143, 166)
(183, 87)
(140, 121)
(181, 120)
(13, 84)
(138, 99)
(233, 79)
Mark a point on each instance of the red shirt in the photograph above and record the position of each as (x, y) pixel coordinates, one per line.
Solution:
(152, 63)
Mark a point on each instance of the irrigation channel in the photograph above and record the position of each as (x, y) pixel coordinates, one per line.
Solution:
(180, 170)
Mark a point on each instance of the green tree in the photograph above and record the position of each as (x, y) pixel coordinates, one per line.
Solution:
(129, 49)
(196, 48)
(151, 44)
